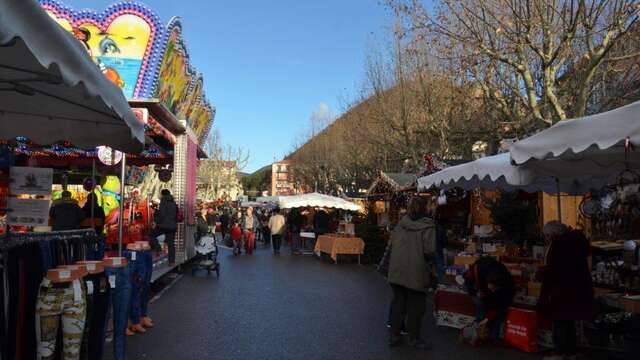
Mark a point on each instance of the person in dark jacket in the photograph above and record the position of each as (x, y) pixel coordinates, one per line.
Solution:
(567, 289)
(295, 220)
(166, 219)
(224, 224)
(202, 225)
(212, 219)
(65, 213)
(413, 244)
(493, 288)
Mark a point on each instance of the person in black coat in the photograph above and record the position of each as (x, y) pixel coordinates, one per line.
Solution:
(166, 218)
(65, 213)
(566, 295)
(493, 288)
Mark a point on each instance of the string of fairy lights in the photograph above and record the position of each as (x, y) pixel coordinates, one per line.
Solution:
(23, 146)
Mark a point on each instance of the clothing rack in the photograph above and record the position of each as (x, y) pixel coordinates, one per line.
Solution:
(18, 239)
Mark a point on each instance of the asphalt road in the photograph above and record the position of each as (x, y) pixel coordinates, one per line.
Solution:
(286, 307)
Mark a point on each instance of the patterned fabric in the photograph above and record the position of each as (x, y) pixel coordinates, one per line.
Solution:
(66, 305)
(335, 245)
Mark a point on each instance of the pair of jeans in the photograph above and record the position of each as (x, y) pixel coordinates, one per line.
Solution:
(97, 287)
(147, 259)
(564, 337)
(407, 305)
(23, 276)
(170, 240)
(138, 265)
(120, 298)
(60, 303)
(276, 239)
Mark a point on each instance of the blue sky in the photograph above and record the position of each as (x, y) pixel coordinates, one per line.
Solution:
(269, 65)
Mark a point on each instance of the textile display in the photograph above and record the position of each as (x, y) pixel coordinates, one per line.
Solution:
(120, 297)
(33, 310)
(60, 305)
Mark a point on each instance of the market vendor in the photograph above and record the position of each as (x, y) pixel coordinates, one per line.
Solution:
(493, 288)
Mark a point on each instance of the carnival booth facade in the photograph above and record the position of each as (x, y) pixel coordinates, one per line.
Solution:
(68, 128)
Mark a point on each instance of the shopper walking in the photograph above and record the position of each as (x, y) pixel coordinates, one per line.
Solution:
(249, 225)
(277, 228)
(413, 244)
(225, 219)
(166, 219)
(567, 290)
(236, 236)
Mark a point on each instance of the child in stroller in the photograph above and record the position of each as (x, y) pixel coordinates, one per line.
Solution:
(206, 247)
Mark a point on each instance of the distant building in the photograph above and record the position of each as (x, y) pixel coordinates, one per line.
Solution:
(282, 180)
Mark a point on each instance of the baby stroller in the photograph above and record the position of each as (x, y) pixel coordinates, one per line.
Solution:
(206, 255)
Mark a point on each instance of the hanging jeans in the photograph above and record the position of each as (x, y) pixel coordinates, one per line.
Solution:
(97, 310)
(137, 264)
(60, 303)
(147, 259)
(120, 296)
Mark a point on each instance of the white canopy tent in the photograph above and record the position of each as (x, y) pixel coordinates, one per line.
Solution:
(316, 200)
(598, 141)
(51, 90)
(497, 172)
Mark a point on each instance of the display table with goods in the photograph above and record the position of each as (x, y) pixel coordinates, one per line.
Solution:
(339, 244)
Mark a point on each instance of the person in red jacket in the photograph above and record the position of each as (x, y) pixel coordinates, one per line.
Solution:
(567, 290)
(236, 236)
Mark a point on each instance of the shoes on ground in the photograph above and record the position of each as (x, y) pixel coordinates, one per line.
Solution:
(147, 322)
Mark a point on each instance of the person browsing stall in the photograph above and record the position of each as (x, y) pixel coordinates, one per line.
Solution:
(65, 213)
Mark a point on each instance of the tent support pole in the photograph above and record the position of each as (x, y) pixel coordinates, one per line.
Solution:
(93, 192)
(123, 166)
(558, 199)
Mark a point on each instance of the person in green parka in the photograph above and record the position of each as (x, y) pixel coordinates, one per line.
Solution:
(413, 244)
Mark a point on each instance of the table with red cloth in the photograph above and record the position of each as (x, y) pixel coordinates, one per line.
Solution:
(334, 245)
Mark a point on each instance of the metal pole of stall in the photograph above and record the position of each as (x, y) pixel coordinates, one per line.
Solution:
(123, 166)
(93, 192)
(559, 200)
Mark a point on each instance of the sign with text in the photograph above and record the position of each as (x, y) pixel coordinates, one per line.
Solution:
(28, 212)
(30, 180)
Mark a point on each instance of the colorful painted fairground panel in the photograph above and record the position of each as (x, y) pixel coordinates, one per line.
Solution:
(180, 87)
(126, 41)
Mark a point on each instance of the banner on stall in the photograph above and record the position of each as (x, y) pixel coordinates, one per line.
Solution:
(30, 180)
(28, 212)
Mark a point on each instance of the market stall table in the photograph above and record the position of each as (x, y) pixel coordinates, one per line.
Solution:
(335, 245)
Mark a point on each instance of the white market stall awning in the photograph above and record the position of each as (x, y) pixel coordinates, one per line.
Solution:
(316, 200)
(599, 138)
(51, 90)
(497, 172)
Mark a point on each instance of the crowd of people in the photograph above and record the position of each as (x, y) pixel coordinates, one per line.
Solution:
(242, 228)
(411, 265)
